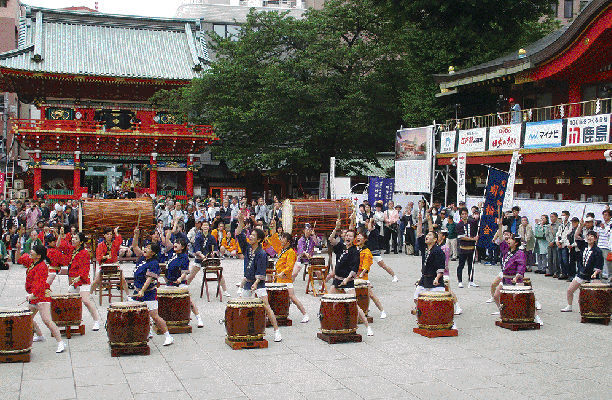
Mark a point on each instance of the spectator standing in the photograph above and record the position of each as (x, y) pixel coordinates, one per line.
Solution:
(604, 231)
(525, 231)
(390, 227)
(541, 246)
(553, 251)
(451, 227)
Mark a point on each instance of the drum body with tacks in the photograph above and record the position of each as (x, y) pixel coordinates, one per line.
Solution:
(278, 297)
(245, 319)
(66, 309)
(16, 326)
(595, 300)
(435, 310)
(362, 292)
(127, 324)
(517, 304)
(323, 213)
(175, 308)
(338, 314)
(124, 213)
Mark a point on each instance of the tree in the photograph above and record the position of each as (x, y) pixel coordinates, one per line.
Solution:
(289, 94)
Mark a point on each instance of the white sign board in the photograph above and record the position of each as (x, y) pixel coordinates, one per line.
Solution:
(461, 171)
(413, 159)
(509, 197)
(505, 137)
(584, 131)
(447, 142)
(472, 140)
(543, 134)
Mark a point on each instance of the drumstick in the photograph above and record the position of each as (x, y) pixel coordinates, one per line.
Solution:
(138, 224)
(22, 302)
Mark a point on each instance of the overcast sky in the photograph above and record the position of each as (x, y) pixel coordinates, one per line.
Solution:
(150, 8)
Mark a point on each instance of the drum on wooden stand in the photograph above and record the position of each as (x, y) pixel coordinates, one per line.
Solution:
(278, 297)
(66, 312)
(16, 327)
(124, 213)
(111, 268)
(362, 292)
(595, 302)
(245, 323)
(435, 311)
(127, 327)
(517, 304)
(324, 213)
(317, 260)
(174, 308)
(338, 315)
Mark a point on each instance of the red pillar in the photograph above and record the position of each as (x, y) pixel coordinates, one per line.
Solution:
(37, 172)
(189, 176)
(76, 180)
(574, 95)
(153, 175)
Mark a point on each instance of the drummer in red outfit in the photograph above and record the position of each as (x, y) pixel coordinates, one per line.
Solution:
(78, 273)
(55, 256)
(38, 293)
(107, 253)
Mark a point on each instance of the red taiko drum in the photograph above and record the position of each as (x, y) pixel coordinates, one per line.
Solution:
(320, 214)
(278, 297)
(245, 319)
(112, 268)
(338, 314)
(517, 304)
(127, 324)
(317, 260)
(16, 328)
(435, 310)
(174, 306)
(595, 300)
(66, 309)
(362, 293)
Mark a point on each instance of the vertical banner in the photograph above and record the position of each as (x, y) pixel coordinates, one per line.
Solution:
(494, 199)
(413, 159)
(2, 181)
(380, 189)
(323, 186)
(461, 171)
(332, 177)
(509, 198)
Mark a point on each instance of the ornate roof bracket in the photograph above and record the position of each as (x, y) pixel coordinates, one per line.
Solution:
(37, 56)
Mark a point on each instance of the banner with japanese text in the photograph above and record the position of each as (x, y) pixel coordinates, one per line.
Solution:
(380, 189)
(509, 198)
(543, 134)
(584, 131)
(323, 182)
(461, 171)
(472, 140)
(494, 199)
(414, 153)
(505, 137)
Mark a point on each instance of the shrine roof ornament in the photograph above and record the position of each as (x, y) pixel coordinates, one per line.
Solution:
(95, 44)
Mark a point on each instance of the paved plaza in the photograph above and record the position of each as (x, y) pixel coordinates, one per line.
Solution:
(565, 359)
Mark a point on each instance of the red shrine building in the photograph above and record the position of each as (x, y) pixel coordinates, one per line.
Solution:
(84, 80)
(562, 91)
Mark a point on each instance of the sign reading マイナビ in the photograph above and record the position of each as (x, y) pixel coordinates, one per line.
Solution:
(505, 137)
(590, 130)
(447, 142)
(543, 134)
(472, 140)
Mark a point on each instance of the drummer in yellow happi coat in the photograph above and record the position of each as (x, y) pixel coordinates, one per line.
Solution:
(365, 263)
(284, 271)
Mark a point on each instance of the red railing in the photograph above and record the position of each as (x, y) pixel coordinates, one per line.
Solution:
(98, 127)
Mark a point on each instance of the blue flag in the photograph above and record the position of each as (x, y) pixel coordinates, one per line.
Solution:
(494, 199)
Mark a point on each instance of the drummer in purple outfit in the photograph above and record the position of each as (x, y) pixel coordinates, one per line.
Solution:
(305, 249)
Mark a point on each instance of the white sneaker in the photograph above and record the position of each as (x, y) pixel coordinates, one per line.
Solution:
(460, 284)
(383, 314)
(169, 340)
(238, 284)
(495, 313)
(567, 309)
(394, 279)
(369, 331)
(96, 326)
(491, 300)
(458, 311)
(538, 305)
(305, 319)
(61, 346)
(538, 320)
(277, 336)
(454, 326)
(226, 294)
(39, 338)
(150, 333)
(472, 284)
(200, 323)
(239, 291)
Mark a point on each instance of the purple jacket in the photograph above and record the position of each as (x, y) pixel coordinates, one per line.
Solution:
(306, 245)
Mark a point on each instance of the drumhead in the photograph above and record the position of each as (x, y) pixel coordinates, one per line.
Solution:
(245, 301)
(276, 286)
(64, 295)
(171, 290)
(127, 305)
(516, 289)
(437, 296)
(110, 265)
(287, 217)
(360, 282)
(338, 297)
(596, 285)
(13, 312)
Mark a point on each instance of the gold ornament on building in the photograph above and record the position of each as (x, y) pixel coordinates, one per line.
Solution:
(562, 179)
(587, 180)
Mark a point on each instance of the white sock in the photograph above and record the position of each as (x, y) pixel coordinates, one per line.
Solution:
(167, 334)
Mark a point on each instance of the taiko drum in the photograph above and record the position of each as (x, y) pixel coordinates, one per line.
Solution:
(317, 260)
(174, 305)
(338, 314)
(435, 310)
(127, 324)
(278, 297)
(66, 309)
(595, 300)
(245, 319)
(517, 304)
(362, 292)
(324, 213)
(16, 329)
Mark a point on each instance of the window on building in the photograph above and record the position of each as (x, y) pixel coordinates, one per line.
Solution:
(555, 10)
(568, 9)
(225, 31)
(4, 3)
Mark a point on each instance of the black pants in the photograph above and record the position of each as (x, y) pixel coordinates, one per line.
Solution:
(410, 237)
(575, 263)
(390, 233)
(463, 257)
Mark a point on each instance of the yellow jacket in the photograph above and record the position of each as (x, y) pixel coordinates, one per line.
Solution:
(274, 241)
(365, 262)
(231, 246)
(285, 264)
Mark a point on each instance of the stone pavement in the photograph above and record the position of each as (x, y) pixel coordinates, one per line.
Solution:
(565, 359)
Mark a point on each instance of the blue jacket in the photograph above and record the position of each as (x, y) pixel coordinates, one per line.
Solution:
(255, 269)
